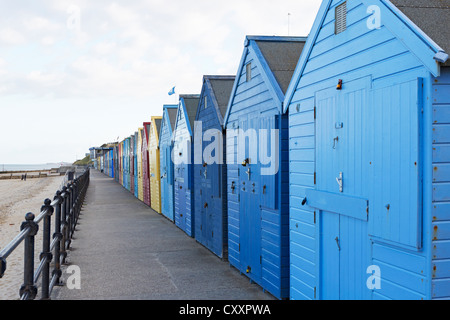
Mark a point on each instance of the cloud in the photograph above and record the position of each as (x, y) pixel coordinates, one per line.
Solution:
(125, 56)
(48, 41)
(45, 79)
(40, 24)
(117, 41)
(10, 36)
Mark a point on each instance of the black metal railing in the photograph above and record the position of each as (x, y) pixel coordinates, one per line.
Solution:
(66, 207)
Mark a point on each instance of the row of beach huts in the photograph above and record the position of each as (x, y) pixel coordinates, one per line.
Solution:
(355, 119)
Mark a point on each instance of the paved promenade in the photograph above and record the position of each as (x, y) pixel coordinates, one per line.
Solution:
(127, 251)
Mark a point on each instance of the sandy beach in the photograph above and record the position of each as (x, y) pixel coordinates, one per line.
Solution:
(16, 199)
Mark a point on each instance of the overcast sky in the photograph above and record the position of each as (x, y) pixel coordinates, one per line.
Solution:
(76, 74)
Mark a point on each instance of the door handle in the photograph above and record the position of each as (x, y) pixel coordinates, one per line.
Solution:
(335, 141)
(337, 242)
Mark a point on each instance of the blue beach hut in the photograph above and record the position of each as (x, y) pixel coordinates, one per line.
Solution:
(136, 154)
(183, 163)
(369, 128)
(111, 163)
(166, 163)
(126, 163)
(210, 190)
(116, 163)
(257, 162)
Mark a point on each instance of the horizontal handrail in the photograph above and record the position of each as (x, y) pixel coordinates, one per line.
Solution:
(66, 206)
(10, 247)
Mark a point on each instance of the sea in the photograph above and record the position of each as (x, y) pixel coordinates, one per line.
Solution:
(29, 167)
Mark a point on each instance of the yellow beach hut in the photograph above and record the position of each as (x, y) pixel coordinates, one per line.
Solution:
(155, 172)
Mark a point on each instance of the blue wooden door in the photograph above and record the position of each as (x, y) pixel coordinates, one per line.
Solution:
(180, 189)
(341, 194)
(395, 193)
(250, 211)
(170, 183)
(202, 204)
(269, 159)
(209, 179)
(180, 218)
(165, 152)
(207, 205)
(163, 180)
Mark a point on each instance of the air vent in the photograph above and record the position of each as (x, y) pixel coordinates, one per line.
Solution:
(341, 18)
(249, 72)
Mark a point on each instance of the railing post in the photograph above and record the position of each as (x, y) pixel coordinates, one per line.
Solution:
(46, 252)
(69, 234)
(67, 229)
(2, 267)
(64, 223)
(28, 291)
(58, 234)
(75, 205)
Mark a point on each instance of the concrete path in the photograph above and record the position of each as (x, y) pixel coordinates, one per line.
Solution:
(127, 251)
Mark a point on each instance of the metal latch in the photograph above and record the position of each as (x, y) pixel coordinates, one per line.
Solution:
(340, 182)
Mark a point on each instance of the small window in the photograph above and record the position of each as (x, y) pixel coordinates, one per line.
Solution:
(206, 102)
(341, 18)
(249, 72)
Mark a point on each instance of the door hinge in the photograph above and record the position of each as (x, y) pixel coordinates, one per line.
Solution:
(315, 290)
(315, 177)
(314, 112)
(314, 217)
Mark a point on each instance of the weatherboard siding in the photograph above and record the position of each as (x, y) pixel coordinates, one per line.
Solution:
(167, 191)
(255, 97)
(356, 53)
(155, 172)
(184, 199)
(214, 236)
(441, 187)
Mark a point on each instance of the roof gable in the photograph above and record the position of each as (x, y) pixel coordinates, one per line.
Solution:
(218, 88)
(156, 127)
(395, 20)
(430, 16)
(282, 58)
(146, 134)
(140, 138)
(276, 57)
(169, 117)
(188, 105)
